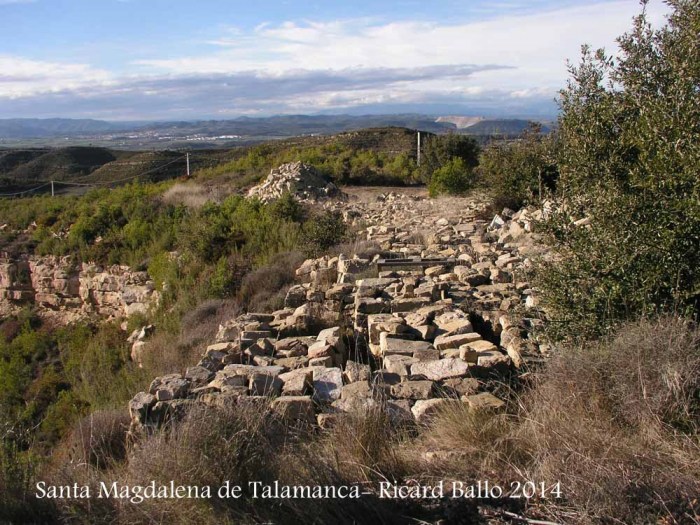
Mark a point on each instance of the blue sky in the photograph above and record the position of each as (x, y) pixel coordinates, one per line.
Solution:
(160, 59)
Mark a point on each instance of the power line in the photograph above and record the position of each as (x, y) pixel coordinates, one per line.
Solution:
(135, 176)
(24, 191)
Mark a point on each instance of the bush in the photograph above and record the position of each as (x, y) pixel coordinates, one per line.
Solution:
(247, 443)
(453, 178)
(17, 475)
(519, 172)
(200, 324)
(439, 150)
(264, 289)
(627, 410)
(632, 171)
(322, 232)
(98, 440)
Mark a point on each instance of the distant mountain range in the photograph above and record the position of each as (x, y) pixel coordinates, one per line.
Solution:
(24, 128)
(226, 132)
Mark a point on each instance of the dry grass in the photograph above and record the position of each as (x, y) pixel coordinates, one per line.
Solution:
(616, 423)
(264, 289)
(98, 440)
(240, 445)
(362, 248)
(164, 354)
(366, 446)
(195, 195)
(199, 325)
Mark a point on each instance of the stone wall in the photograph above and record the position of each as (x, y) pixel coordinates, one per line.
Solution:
(60, 287)
(353, 336)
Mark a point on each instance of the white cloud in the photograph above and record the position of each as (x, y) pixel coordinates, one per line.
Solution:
(538, 45)
(21, 77)
(305, 66)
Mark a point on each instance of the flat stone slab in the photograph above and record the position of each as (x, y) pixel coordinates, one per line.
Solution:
(355, 371)
(408, 305)
(391, 324)
(440, 369)
(427, 354)
(295, 408)
(425, 409)
(399, 364)
(445, 342)
(482, 346)
(297, 382)
(395, 345)
(456, 327)
(492, 359)
(483, 401)
(413, 390)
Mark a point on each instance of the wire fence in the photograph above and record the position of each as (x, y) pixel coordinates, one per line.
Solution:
(97, 184)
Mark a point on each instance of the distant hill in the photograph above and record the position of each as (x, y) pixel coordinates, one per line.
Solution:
(59, 164)
(26, 168)
(392, 140)
(207, 134)
(156, 165)
(507, 127)
(296, 125)
(56, 127)
(11, 159)
(243, 127)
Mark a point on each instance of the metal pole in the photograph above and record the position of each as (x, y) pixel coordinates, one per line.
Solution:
(188, 164)
(52, 194)
(418, 150)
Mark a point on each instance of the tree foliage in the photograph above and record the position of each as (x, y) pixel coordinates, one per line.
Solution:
(521, 171)
(439, 150)
(453, 178)
(321, 232)
(629, 162)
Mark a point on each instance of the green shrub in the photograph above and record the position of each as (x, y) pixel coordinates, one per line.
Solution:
(629, 160)
(322, 232)
(519, 172)
(439, 150)
(287, 208)
(453, 178)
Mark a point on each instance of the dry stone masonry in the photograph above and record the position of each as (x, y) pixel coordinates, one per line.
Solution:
(351, 337)
(68, 291)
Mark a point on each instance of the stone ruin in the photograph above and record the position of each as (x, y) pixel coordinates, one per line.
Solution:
(302, 181)
(350, 338)
(68, 291)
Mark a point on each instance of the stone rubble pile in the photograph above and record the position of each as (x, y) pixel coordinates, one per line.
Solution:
(302, 181)
(350, 337)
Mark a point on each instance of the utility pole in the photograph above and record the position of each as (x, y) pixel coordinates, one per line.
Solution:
(52, 193)
(188, 164)
(418, 150)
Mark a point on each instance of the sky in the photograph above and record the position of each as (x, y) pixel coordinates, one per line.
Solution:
(220, 59)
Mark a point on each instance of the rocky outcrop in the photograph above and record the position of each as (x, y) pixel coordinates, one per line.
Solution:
(300, 180)
(351, 337)
(59, 287)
